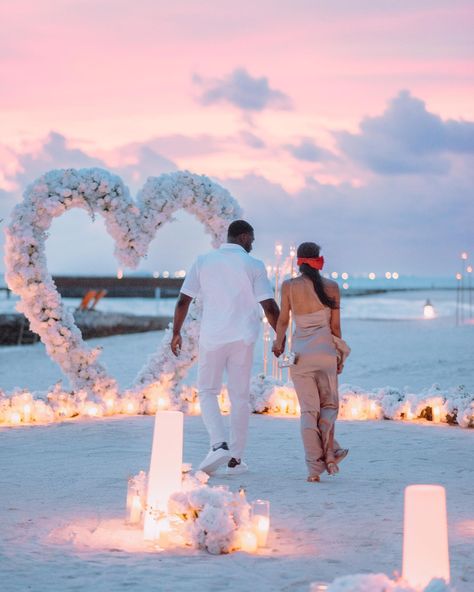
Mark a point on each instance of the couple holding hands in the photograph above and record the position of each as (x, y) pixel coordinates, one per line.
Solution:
(231, 285)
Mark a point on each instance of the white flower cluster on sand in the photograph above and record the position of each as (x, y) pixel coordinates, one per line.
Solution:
(267, 395)
(381, 583)
(454, 405)
(215, 518)
(132, 225)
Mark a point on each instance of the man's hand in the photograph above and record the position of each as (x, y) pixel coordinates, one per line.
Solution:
(180, 312)
(176, 343)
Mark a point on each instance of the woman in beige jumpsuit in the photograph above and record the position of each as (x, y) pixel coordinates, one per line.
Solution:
(314, 303)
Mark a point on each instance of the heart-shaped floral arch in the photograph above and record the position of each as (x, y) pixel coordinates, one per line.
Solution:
(133, 225)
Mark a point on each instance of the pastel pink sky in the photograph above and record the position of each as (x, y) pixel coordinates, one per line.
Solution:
(112, 75)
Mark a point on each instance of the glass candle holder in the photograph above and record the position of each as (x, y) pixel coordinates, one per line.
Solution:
(260, 517)
(134, 503)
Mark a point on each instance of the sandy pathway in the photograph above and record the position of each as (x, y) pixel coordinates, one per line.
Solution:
(71, 473)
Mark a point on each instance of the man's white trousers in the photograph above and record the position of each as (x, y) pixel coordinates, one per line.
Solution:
(236, 359)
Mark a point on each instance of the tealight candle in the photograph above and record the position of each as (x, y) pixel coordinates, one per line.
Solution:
(248, 542)
(161, 403)
(15, 418)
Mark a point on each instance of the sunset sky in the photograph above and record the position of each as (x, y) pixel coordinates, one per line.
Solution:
(347, 122)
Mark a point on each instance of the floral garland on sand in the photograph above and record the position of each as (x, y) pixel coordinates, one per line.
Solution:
(267, 396)
(454, 406)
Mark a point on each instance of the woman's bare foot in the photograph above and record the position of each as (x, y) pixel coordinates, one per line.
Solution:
(341, 454)
(313, 479)
(332, 468)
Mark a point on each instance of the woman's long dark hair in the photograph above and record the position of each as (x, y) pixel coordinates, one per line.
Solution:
(310, 250)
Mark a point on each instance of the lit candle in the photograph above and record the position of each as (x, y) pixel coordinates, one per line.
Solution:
(373, 409)
(164, 533)
(92, 410)
(260, 515)
(15, 418)
(262, 526)
(248, 541)
(130, 407)
(161, 403)
(27, 413)
(436, 414)
(109, 403)
(135, 512)
(164, 477)
(425, 535)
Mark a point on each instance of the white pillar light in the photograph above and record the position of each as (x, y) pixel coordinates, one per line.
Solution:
(425, 535)
(164, 477)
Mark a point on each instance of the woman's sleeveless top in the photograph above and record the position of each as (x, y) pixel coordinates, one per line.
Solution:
(312, 332)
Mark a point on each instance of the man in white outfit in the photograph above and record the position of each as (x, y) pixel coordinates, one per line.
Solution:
(230, 283)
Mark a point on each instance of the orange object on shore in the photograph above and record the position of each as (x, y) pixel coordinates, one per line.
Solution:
(91, 298)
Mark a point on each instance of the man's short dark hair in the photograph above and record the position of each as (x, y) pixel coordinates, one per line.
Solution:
(239, 227)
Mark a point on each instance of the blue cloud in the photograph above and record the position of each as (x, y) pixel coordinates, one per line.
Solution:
(407, 139)
(243, 91)
(307, 150)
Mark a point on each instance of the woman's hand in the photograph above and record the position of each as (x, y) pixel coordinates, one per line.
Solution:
(277, 349)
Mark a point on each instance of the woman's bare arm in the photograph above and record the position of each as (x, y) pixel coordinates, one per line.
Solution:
(335, 321)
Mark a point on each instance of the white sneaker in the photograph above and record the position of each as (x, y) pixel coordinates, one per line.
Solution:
(214, 459)
(236, 467)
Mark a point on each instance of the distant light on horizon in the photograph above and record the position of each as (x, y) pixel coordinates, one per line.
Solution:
(372, 275)
(469, 269)
(395, 275)
(388, 275)
(459, 276)
(428, 310)
(334, 275)
(345, 285)
(181, 273)
(166, 274)
(119, 274)
(344, 275)
(156, 274)
(464, 255)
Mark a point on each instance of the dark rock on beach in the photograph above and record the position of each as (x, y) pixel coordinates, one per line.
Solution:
(15, 328)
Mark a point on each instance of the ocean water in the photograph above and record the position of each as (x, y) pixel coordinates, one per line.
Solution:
(396, 305)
